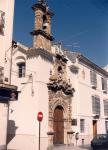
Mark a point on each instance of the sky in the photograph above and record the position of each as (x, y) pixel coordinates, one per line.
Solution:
(79, 25)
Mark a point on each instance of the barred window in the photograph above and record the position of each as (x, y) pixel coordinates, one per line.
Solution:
(2, 21)
(96, 105)
(104, 84)
(106, 107)
(93, 79)
(82, 125)
(21, 70)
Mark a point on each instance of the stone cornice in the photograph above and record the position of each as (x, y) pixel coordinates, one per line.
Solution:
(43, 33)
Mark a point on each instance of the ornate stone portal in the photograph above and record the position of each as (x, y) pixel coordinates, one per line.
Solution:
(60, 95)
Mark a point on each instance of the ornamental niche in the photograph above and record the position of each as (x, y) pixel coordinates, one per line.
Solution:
(58, 80)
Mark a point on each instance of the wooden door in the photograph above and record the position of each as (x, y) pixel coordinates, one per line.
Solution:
(58, 126)
(94, 128)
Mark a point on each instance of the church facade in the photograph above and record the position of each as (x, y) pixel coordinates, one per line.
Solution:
(69, 89)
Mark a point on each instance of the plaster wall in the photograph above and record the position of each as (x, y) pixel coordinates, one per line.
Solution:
(33, 97)
(3, 124)
(82, 103)
(7, 6)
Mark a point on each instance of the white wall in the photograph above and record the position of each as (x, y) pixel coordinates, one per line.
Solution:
(25, 110)
(6, 6)
(82, 102)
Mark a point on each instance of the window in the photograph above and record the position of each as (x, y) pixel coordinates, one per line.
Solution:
(106, 126)
(74, 122)
(82, 125)
(106, 107)
(21, 70)
(1, 74)
(2, 21)
(104, 84)
(93, 79)
(96, 105)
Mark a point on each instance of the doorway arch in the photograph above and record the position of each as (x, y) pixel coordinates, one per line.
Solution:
(58, 125)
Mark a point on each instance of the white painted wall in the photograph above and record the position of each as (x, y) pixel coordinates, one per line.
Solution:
(3, 124)
(7, 6)
(24, 111)
(82, 102)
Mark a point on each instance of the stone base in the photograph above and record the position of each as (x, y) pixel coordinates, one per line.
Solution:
(50, 147)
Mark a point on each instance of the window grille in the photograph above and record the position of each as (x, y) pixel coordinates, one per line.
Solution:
(95, 105)
(93, 79)
(82, 125)
(106, 107)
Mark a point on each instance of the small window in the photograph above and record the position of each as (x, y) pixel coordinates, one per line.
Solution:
(21, 70)
(96, 105)
(93, 79)
(106, 107)
(82, 125)
(1, 74)
(104, 84)
(74, 122)
(2, 21)
(106, 126)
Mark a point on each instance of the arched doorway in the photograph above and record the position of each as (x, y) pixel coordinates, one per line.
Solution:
(58, 125)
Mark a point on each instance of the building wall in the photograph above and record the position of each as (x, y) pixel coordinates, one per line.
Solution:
(7, 10)
(33, 97)
(82, 102)
(7, 6)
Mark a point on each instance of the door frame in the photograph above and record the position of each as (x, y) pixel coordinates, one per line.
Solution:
(58, 125)
(94, 124)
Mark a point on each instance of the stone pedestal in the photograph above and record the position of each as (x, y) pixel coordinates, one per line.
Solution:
(69, 137)
(50, 139)
(3, 125)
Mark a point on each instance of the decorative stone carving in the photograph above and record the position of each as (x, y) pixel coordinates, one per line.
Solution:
(60, 93)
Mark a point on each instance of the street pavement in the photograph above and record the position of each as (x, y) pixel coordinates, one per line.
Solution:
(65, 147)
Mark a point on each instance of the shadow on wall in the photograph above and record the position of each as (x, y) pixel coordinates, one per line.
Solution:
(11, 130)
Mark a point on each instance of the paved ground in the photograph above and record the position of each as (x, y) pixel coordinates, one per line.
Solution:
(71, 148)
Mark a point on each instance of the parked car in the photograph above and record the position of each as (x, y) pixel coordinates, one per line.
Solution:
(100, 141)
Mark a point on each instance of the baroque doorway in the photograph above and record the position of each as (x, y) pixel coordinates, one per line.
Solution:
(58, 125)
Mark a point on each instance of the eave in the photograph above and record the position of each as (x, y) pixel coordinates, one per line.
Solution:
(92, 65)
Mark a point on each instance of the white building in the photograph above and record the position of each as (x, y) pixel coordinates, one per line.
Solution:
(6, 25)
(69, 89)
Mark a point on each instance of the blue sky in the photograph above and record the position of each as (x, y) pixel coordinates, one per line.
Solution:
(80, 25)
